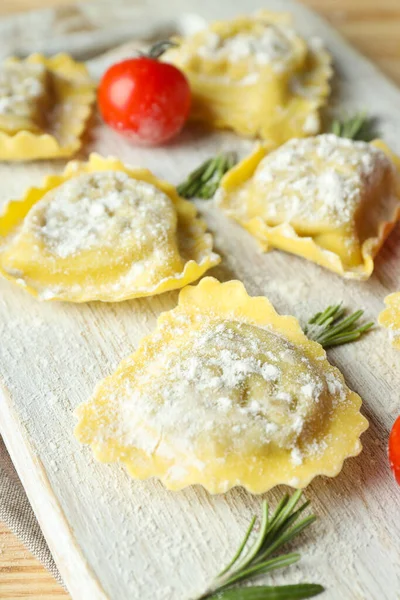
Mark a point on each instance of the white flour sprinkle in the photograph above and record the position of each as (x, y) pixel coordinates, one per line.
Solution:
(274, 46)
(311, 124)
(394, 334)
(324, 178)
(217, 379)
(100, 210)
(296, 457)
(21, 84)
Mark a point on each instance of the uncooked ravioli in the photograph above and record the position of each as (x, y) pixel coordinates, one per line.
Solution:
(224, 392)
(103, 231)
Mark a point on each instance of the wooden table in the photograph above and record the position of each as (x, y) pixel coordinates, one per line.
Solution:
(373, 29)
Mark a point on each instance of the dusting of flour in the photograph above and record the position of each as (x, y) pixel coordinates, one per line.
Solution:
(106, 208)
(21, 85)
(273, 46)
(219, 387)
(324, 178)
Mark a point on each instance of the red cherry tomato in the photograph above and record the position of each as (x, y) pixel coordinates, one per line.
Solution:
(394, 449)
(145, 99)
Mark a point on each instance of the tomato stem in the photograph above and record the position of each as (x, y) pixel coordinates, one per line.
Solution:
(157, 49)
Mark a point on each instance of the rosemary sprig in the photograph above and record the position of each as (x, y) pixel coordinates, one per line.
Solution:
(266, 592)
(203, 182)
(358, 127)
(276, 530)
(332, 328)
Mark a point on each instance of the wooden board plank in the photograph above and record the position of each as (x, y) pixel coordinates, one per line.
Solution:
(190, 533)
(21, 575)
(15, 6)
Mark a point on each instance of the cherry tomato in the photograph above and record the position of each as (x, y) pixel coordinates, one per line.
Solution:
(145, 99)
(394, 449)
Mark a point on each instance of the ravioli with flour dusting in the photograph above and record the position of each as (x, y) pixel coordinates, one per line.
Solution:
(44, 106)
(390, 318)
(24, 96)
(224, 392)
(329, 199)
(255, 75)
(103, 231)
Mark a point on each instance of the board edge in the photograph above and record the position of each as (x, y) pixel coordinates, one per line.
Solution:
(77, 576)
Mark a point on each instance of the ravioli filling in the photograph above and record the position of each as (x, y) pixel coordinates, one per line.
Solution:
(97, 230)
(24, 96)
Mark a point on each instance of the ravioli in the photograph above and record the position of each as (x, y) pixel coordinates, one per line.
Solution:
(255, 75)
(45, 104)
(329, 199)
(390, 318)
(225, 392)
(103, 231)
(24, 95)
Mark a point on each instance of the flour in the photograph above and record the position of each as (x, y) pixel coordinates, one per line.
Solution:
(102, 210)
(324, 178)
(394, 334)
(220, 387)
(21, 85)
(274, 46)
(311, 124)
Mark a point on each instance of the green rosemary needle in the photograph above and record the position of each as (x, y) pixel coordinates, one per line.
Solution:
(358, 127)
(266, 592)
(203, 182)
(261, 557)
(333, 328)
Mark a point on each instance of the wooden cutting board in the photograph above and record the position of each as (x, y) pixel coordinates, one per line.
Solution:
(115, 538)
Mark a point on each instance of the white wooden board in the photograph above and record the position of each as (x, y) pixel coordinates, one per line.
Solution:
(115, 538)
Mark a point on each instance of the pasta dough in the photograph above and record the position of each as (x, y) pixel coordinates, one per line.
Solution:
(329, 199)
(225, 392)
(255, 75)
(103, 231)
(390, 318)
(24, 96)
(45, 104)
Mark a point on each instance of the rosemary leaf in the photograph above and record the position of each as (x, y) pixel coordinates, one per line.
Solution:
(248, 564)
(266, 592)
(285, 560)
(258, 544)
(358, 127)
(332, 328)
(241, 547)
(289, 535)
(203, 182)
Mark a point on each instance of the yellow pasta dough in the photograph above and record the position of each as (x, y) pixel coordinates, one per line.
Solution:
(224, 392)
(329, 199)
(390, 318)
(44, 106)
(255, 75)
(24, 95)
(103, 231)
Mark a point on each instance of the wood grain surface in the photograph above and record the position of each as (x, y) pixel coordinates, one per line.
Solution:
(373, 27)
